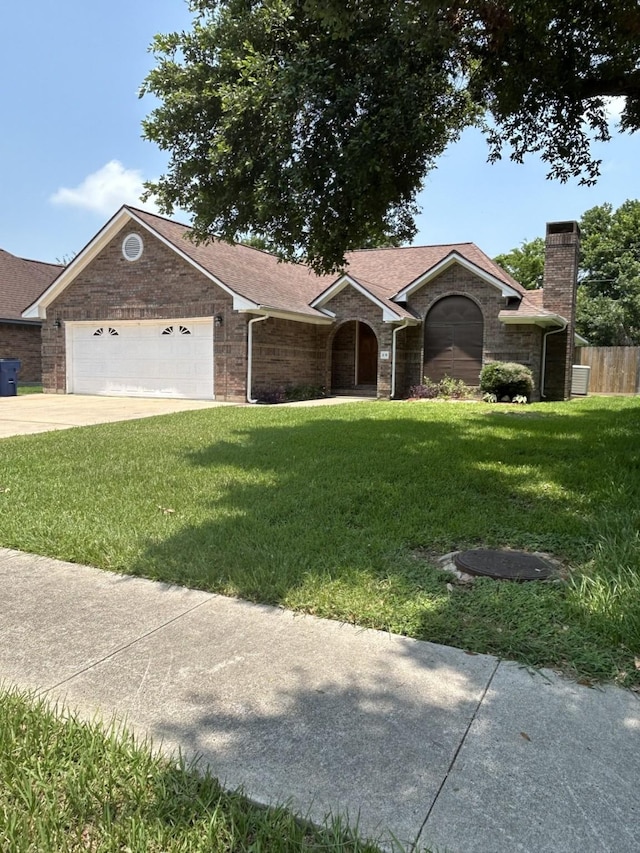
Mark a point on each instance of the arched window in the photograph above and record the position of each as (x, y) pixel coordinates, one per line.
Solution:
(453, 333)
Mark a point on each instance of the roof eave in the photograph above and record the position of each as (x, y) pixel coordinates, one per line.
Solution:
(20, 322)
(284, 314)
(542, 320)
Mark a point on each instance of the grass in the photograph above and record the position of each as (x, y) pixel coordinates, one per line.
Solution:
(74, 786)
(29, 389)
(340, 511)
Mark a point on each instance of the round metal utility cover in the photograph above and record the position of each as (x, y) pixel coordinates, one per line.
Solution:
(503, 565)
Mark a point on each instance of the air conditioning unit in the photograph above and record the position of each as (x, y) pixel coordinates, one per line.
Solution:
(580, 379)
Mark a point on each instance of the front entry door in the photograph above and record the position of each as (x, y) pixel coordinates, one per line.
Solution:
(367, 373)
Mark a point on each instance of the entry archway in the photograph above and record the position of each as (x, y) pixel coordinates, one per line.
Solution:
(354, 358)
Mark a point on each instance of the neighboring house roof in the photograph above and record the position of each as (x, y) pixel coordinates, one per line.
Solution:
(22, 281)
(261, 283)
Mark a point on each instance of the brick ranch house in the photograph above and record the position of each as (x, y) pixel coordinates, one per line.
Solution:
(22, 281)
(143, 311)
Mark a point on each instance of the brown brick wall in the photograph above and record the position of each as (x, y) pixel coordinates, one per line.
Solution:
(288, 353)
(23, 342)
(160, 285)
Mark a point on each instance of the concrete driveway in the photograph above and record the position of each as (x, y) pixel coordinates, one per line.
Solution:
(31, 413)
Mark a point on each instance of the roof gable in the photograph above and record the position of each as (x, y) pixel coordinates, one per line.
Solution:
(449, 260)
(390, 311)
(257, 281)
(394, 270)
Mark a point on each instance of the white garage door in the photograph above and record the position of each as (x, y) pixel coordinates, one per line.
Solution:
(168, 358)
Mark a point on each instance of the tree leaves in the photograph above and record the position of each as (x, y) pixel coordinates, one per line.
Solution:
(314, 124)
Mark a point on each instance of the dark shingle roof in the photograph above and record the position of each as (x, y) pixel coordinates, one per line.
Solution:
(256, 275)
(21, 282)
(394, 269)
(265, 281)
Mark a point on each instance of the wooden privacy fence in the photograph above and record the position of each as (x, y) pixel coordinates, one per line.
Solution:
(614, 370)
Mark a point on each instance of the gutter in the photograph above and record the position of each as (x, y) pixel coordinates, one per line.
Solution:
(20, 322)
(393, 356)
(544, 355)
(250, 399)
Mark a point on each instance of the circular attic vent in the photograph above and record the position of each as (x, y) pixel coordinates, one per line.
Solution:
(132, 247)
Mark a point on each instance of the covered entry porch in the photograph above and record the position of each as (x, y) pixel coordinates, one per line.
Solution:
(354, 359)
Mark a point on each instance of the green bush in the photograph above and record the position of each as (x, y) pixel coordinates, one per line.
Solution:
(291, 394)
(446, 389)
(506, 379)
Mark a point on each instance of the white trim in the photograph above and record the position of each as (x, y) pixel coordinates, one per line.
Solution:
(280, 314)
(542, 320)
(239, 301)
(250, 399)
(138, 247)
(388, 315)
(393, 357)
(445, 263)
(147, 321)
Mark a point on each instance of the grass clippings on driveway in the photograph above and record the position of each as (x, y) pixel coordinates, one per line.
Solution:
(324, 510)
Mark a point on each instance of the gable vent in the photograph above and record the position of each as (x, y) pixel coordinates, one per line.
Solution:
(132, 247)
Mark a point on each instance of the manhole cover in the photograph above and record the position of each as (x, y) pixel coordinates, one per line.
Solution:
(504, 565)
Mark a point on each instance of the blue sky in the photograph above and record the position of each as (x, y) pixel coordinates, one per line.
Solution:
(71, 150)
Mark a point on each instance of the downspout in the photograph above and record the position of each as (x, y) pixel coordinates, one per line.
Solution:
(250, 354)
(543, 368)
(393, 356)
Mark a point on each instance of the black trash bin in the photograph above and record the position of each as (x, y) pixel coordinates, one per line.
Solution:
(9, 368)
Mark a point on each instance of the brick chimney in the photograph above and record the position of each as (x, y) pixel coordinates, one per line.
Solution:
(561, 256)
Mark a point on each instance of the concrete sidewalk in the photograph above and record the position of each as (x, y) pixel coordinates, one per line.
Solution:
(426, 743)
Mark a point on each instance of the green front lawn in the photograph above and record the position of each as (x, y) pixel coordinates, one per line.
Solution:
(337, 511)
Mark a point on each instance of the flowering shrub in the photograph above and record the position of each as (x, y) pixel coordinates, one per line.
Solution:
(446, 389)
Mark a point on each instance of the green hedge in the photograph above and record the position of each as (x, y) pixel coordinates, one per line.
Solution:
(506, 379)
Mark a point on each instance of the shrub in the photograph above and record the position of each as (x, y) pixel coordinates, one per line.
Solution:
(290, 394)
(506, 379)
(271, 395)
(453, 389)
(305, 392)
(428, 390)
(446, 389)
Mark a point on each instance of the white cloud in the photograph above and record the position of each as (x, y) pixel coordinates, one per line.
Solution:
(105, 191)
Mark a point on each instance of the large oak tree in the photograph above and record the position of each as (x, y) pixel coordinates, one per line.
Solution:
(312, 123)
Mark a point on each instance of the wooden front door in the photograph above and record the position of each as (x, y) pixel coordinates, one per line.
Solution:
(367, 373)
(453, 333)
